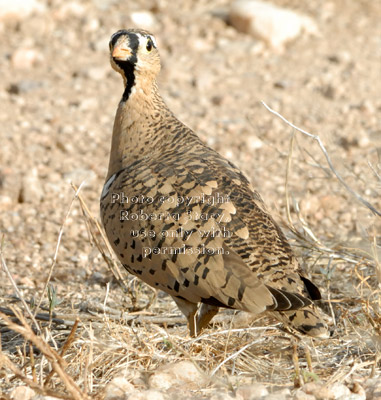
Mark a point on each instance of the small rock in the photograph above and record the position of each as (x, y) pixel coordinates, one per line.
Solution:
(118, 389)
(358, 390)
(352, 396)
(162, 380)
(340, 391)
(70, 9)
(373, 388)
(225, 396)
(322, 392)
(97, 73)
(148, 395)
(31, 188)
(283, 394)
(252, 392)
(300, 395)
(22, 393)
(24, 86)
(26, 58)
(144, 19)
(19, 9)
(92, 25)
(176, 374)
(318, 390)
(5, 202)
(274, 25)
(89, 103)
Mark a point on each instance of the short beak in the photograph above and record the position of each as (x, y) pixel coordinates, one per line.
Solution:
(121, 53)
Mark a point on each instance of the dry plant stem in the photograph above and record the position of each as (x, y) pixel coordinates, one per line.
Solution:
(57, 247)
(234, 355)
(31, 355)
(6, 362)
(91, 222)
(374, 171)
(56, 361)
(308, 358)
(327, 157)
(65, 347)
(229, 334)
(295, 359)
(287, 194)
(94, 227)
(5, 267)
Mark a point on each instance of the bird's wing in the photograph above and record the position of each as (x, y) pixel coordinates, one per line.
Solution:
(194, 228)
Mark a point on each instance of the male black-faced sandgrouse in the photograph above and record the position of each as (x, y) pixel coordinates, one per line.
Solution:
(184, 219)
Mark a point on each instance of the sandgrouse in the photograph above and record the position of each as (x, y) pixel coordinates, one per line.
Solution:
(186, 220)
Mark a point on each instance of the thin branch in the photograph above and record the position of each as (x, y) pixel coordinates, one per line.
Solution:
(327, 157)
(5, 268)
(234, 355)
(57, 363)
(57, 246)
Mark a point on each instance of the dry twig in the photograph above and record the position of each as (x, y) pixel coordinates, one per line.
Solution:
(328, 158)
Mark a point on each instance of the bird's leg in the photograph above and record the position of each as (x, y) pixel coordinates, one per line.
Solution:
(189, 310)
(205, 313)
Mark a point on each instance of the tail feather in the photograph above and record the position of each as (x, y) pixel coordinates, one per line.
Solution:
(308, 321)
(284, 300)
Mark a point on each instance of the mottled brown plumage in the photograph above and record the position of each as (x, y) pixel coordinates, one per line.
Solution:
(186, 220)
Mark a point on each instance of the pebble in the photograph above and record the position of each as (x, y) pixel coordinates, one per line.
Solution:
(118, 388)
(373, 388)
(274, 25)
(25, 86)
(19, 9)
(252, 392)
(148, 395)
(176, 374)
(70, 9)
(144, 19)
(98, 73)
(337, 391)
(279, 395)
(225, 396)
(301, 395)
(31, 188)
(26, 58)
(10, 185)
(22, 393)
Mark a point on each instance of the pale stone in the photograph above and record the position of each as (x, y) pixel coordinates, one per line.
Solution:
(19, 9)
(283, 394)
(176, 374)
(252, 392)
(274, 25)
(22, 393)
(26, 58)
(226, 396)
(143, 19)
(300, 395)
(31, 188)
(118, 389)
(148, 395)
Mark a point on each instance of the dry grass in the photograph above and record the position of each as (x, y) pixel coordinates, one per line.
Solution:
(76, 354)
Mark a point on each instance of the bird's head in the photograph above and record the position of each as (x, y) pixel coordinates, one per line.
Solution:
(134, 54)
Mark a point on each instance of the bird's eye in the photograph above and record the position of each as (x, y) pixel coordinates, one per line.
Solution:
(149, 45)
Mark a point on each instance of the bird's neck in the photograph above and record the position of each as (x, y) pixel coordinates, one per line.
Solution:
(137, 126)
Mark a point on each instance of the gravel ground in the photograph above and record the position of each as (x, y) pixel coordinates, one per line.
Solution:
(58, 96)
